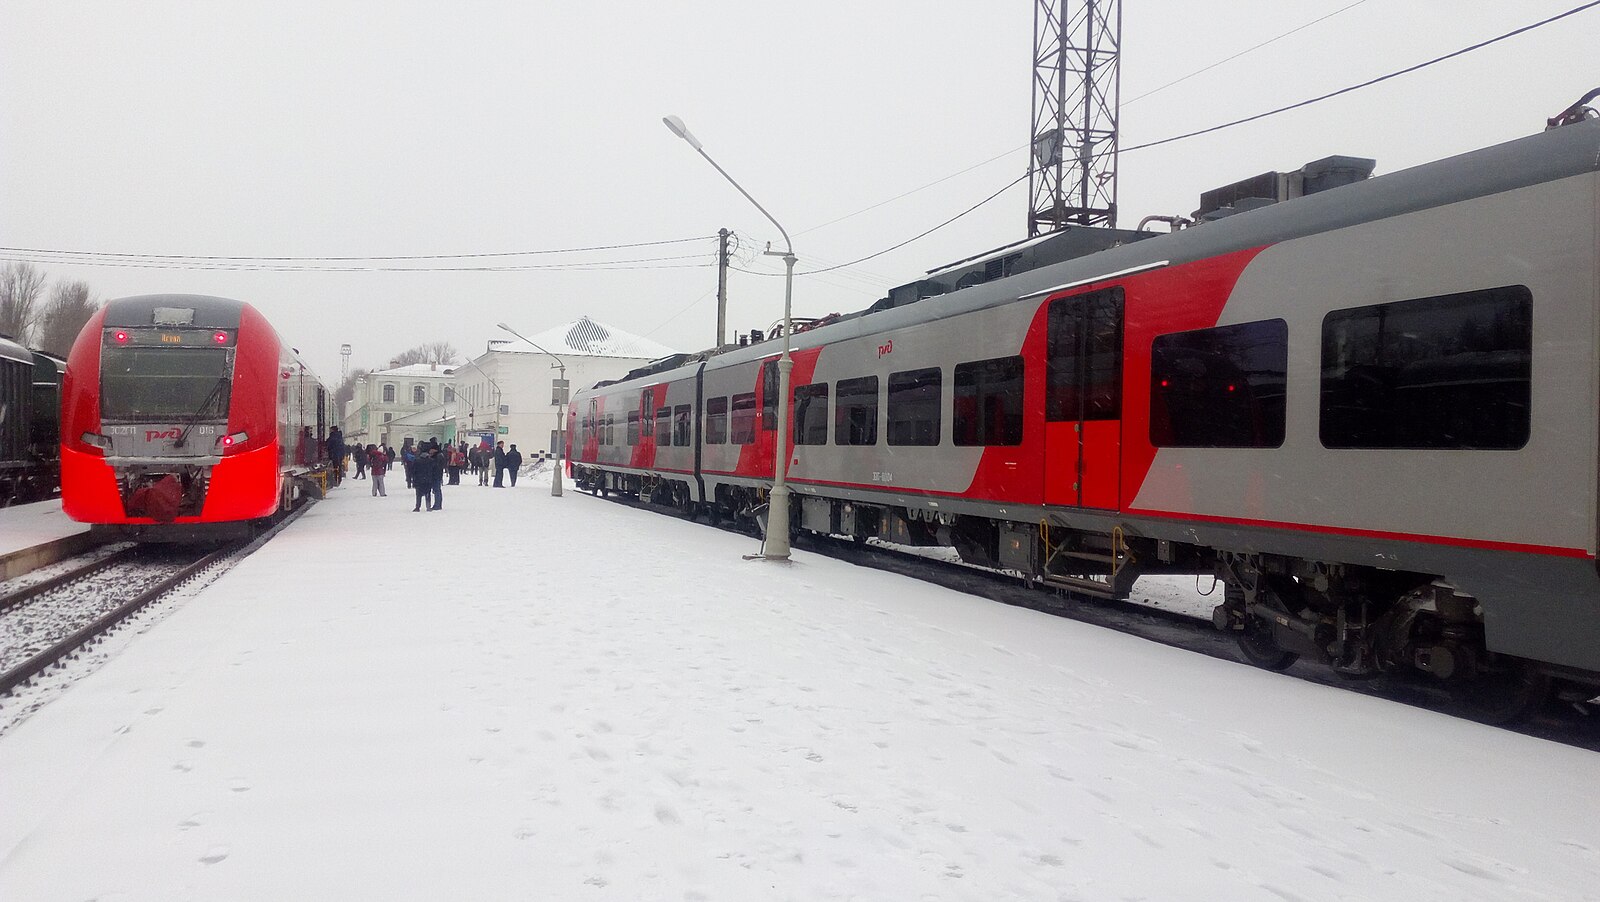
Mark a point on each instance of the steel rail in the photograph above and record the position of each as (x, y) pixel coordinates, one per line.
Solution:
(28, 593)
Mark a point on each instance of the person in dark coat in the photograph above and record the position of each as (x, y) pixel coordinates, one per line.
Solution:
(360, 455)
(306, 452)
(513, 463)
(437, 464)
(499, 464)
(336, 452)
(422, 474)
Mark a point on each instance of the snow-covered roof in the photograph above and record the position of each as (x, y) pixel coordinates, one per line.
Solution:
(412, 370)
(584, 337)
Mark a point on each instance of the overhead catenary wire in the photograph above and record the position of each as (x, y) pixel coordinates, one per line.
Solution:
(1369, 82)
(346, 259)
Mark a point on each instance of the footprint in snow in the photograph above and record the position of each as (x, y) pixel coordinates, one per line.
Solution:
(214, 855)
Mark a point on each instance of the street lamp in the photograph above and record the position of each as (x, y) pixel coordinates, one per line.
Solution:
(561, 410)
(776, 546)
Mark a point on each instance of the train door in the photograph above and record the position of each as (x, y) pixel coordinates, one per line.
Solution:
(1083, 400)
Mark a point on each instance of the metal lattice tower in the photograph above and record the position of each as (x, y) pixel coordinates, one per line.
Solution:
(1077, 87)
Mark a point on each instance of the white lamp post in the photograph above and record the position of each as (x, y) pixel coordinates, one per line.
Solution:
(776, 547)
(561, 410)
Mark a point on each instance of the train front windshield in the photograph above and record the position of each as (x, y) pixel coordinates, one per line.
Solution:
(144, 384)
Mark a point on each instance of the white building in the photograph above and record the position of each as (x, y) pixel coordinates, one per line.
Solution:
(415, 401)
(508, 392)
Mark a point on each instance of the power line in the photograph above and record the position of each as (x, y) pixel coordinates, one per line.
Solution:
(205, 266)
(920, 235)
(1370, 82)
(395, 257)
(1230, 59)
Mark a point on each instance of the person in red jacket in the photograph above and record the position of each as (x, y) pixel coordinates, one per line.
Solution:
(377, 464)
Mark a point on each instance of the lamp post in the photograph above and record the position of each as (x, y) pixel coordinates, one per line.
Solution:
(776, 546)
(561, 410)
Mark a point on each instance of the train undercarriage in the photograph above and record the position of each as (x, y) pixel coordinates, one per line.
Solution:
(1359, 622)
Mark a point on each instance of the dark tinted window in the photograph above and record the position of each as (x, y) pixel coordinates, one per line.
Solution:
(156, 384)
(680, 426)
(1083, 357)
(1219, 388)
(855, 419)
(716, 421)
(633, 427)
(988, 402)
(743, 419)
(914, 411)
(664, 426)
(769, 395)
(1442, 372)
(811, 414)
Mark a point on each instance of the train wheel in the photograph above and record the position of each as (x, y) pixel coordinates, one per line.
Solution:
(1261, 649)
(1507, 695)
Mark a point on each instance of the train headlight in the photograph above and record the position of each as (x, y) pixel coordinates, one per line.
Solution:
(230, 442)
(96, 440)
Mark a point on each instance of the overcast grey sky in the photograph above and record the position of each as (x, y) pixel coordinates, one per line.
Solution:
(393, 128)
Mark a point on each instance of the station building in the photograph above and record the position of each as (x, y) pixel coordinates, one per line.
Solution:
(508, 393)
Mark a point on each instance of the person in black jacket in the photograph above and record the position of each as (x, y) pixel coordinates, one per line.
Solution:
(513, 463)
(499, 464)
(425, 471)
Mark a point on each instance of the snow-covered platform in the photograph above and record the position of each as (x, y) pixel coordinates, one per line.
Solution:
(27, 525)
(525, 697)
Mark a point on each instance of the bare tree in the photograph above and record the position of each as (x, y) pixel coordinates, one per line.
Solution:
(440, 352)
(60, 321)
(347, 389)
(20, 287)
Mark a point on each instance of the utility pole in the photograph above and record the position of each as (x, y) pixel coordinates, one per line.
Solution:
(722, 286)
(1077, 93)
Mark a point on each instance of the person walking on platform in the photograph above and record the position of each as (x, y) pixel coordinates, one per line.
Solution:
(436, 467)
(408, 457)
(457, 460)
(359, 455)
(421, 472)
(336, 453)
(480, 457)
(499, 464)
(379, 461)
(513, 463)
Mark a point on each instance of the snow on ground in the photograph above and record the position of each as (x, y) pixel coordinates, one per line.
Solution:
(26, 525)
(525, 697)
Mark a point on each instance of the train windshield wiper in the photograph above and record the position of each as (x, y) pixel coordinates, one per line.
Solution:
(216, 391)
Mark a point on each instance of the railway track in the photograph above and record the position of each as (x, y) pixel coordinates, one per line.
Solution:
(50, 620)
(1567, 724)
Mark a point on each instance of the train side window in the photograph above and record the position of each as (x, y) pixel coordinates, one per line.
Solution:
(681, 425)
(611, 429)
(988, 402)
(811, 414)
(633, 428)
(1219, 388)
(855, 418)
(769, 395)
(915, 411)
(647, 426)
(663, 426)
(743, 419)
(716, 421)
(1453, 371)
(1083, 357)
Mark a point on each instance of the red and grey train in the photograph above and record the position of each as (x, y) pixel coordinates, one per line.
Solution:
(1372, 411)
(182, 418)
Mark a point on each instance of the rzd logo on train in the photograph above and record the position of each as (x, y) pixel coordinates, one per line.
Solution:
(152, 435)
